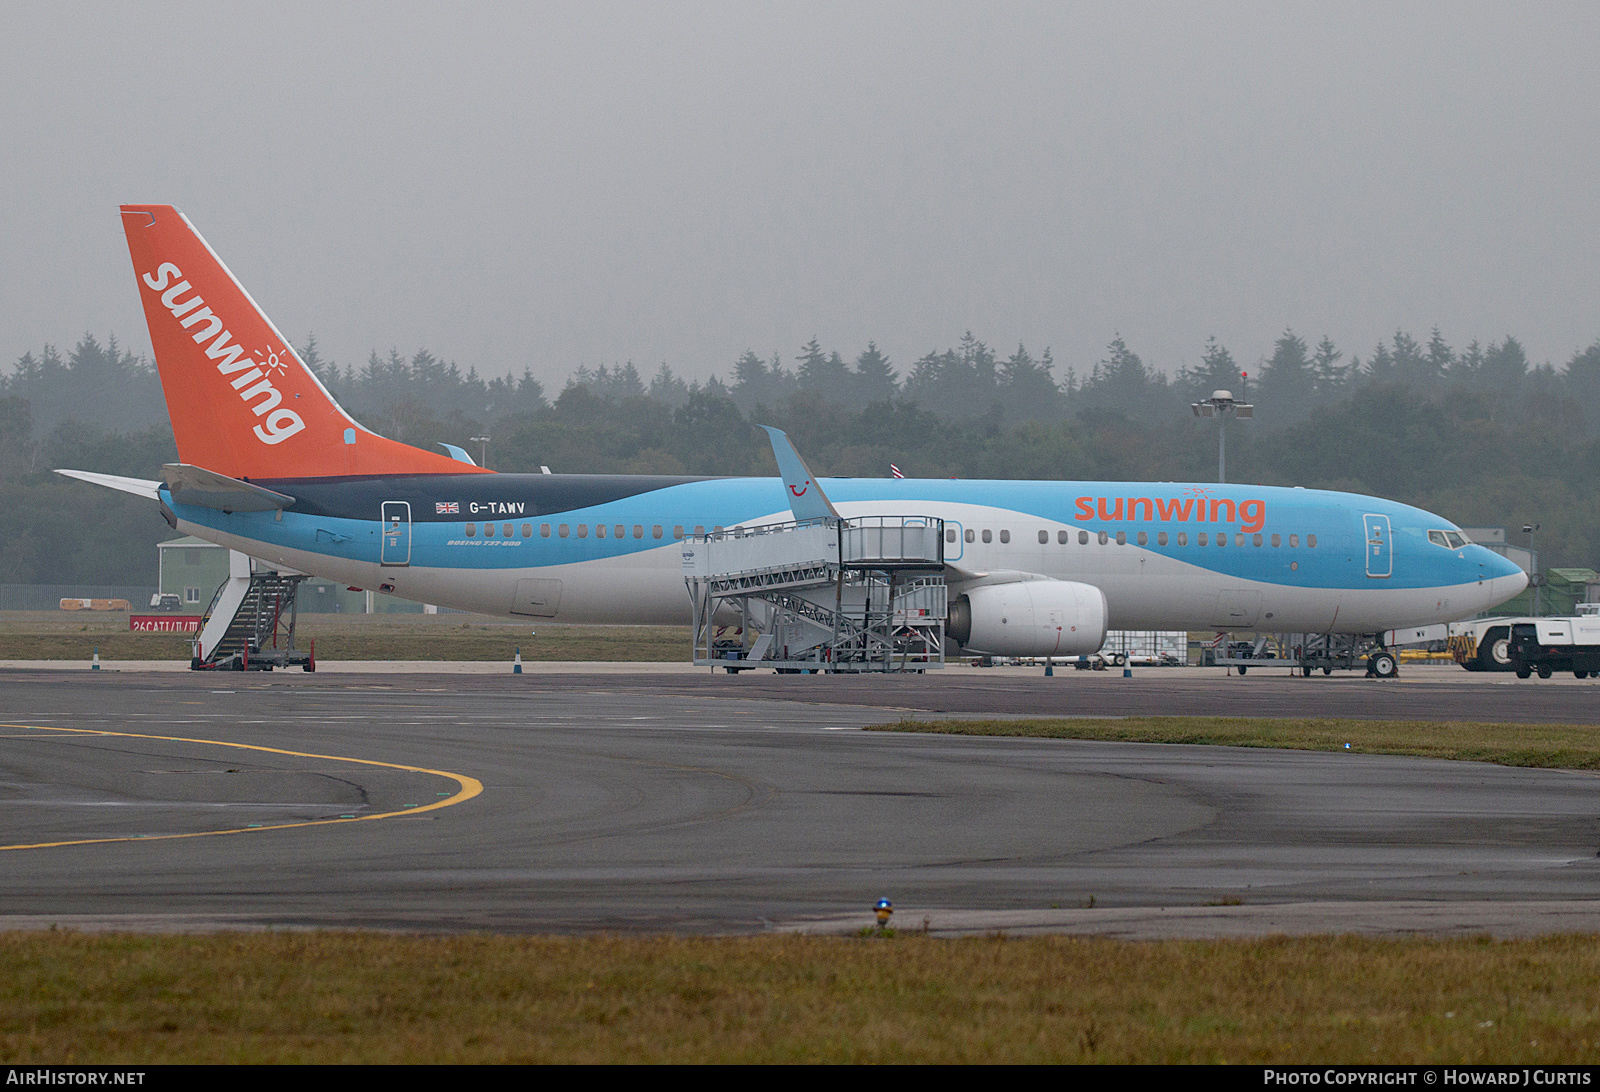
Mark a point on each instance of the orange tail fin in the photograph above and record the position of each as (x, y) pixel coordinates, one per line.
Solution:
(242, 401)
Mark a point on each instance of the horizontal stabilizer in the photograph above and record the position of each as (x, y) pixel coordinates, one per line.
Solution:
(137, 486)
(208, 489)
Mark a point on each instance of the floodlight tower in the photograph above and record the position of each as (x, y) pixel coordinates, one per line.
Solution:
(1222, 405)
(1534, 577)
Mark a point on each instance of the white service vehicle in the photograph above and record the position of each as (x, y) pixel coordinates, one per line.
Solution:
(1548, 645)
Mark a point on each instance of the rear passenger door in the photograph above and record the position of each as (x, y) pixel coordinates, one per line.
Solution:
(396, 548)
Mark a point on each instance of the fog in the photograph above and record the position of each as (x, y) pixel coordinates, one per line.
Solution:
(522, 186)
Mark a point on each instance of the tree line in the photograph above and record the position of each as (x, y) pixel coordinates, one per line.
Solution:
(1477, 434)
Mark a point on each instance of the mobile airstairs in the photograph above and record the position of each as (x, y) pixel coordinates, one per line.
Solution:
(820, 595)
(249, 625)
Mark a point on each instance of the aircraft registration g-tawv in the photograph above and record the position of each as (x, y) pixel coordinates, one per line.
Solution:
(273, 467)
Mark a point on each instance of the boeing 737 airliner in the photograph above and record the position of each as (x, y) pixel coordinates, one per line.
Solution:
(273, 467)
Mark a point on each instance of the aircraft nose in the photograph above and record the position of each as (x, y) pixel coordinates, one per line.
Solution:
(1504, 577)
(1503, 568)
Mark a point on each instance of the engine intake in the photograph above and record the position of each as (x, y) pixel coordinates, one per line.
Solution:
(1030, 618)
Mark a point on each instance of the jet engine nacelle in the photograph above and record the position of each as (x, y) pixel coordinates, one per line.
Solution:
(1030, 618)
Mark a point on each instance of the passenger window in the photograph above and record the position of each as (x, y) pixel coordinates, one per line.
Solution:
(638, 531)
(1201, 539)
(507, 531)
(677, 530)
(655, 532)
(1144, 539)
(1005, 536)
(527, 530)
(1311, 542)
(1104, 538)
(1238, 540)
(620, 530)
(949, 534)
(1222, 538)
(1277, 541)
(988, 535)
(1083, 538)
(718, 529)
(583, 530)
(564, 530)
(599, 530)
(970, 535)
(1044, 537)
(1122, 538)
(1183, 538)
(488, 530)
(472, 530)
(1161, 538)
(544, 530)
(1294, 541)
(700, 529)
(1061, 537)
(1258, 540)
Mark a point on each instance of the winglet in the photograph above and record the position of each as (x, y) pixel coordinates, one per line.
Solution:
(806, 498)
(457, 452)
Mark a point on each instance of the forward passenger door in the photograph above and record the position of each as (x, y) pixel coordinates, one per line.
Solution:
(1380, 555)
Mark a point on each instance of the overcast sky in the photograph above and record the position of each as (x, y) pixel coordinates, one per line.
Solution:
(554, 185)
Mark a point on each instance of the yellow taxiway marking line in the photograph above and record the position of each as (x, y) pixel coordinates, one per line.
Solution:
(470, 787)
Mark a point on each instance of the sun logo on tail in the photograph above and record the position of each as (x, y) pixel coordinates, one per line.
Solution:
(276, 363)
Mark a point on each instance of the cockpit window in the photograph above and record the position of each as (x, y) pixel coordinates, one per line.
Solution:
(1450, 540)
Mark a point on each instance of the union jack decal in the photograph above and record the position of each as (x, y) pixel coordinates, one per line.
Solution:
(447, 508)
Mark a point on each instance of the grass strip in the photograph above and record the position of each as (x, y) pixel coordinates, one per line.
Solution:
(1550, 746)
(341, 997)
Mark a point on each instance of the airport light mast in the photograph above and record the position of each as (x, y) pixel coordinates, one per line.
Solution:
(1222, 405)
(1534, 577)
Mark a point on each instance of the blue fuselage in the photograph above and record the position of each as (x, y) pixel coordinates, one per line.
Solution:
(1166, 555)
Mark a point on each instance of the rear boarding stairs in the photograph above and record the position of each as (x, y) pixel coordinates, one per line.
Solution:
(249, 625)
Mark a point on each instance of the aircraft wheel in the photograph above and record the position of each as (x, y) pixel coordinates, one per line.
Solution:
(1580, 674)
(1327, 671)
(1524, 672)
(1382, 665)
(1243, 669)
(1544, 671)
